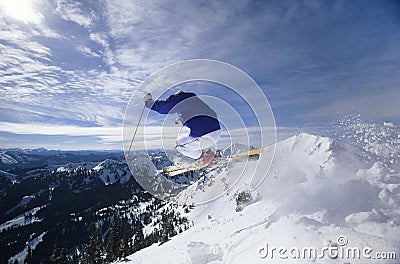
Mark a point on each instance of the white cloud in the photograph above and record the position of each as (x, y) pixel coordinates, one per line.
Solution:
(25, 66)
(73, 11)
(22, 10)
(53, 130)
(100, 38)
(88, 52)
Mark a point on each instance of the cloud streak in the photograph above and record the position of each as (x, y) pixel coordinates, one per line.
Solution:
(74, 11)
(57, 130)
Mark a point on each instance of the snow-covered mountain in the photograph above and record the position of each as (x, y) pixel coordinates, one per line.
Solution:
(318, 193)
(112, 171)
(7, 159)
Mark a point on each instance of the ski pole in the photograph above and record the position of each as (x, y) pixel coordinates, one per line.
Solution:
(134, 134)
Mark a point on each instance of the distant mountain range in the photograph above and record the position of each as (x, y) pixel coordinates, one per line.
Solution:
(33, 158)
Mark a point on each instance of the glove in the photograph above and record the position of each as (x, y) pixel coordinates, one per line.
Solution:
(147, 96)
(177, 122)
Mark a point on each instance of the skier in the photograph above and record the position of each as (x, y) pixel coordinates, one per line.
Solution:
(195, 114)
(121, 250)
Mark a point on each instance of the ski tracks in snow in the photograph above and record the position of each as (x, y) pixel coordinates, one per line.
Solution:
(267, 221)
(228, 245)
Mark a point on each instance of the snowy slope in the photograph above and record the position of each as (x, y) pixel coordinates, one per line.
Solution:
(112, 171)
(108, 171)
(14, 156)
(7, 159)
(317, 190)
(24, 219)
(10, 176)
(20, 257)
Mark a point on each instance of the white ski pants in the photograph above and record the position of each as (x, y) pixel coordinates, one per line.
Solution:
(193, 146)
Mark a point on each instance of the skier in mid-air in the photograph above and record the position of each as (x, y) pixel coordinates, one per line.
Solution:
(195, 114)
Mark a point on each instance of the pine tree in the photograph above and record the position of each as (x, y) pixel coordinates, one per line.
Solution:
(59, 255)
(111, 242)
(167, 227)
(138, 242)
(99, 246)
(92, 252)
(75, 258)
(63, 256)
(56, 252)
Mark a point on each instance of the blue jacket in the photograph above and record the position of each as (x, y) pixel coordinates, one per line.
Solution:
(193, 112)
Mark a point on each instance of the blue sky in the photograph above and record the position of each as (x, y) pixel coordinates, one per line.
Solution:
(68, 68)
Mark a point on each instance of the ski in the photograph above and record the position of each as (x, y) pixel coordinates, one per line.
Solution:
(253, 154)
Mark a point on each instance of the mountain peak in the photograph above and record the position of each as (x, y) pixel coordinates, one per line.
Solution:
(111, 171)
(106, 164)
(306, 143)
